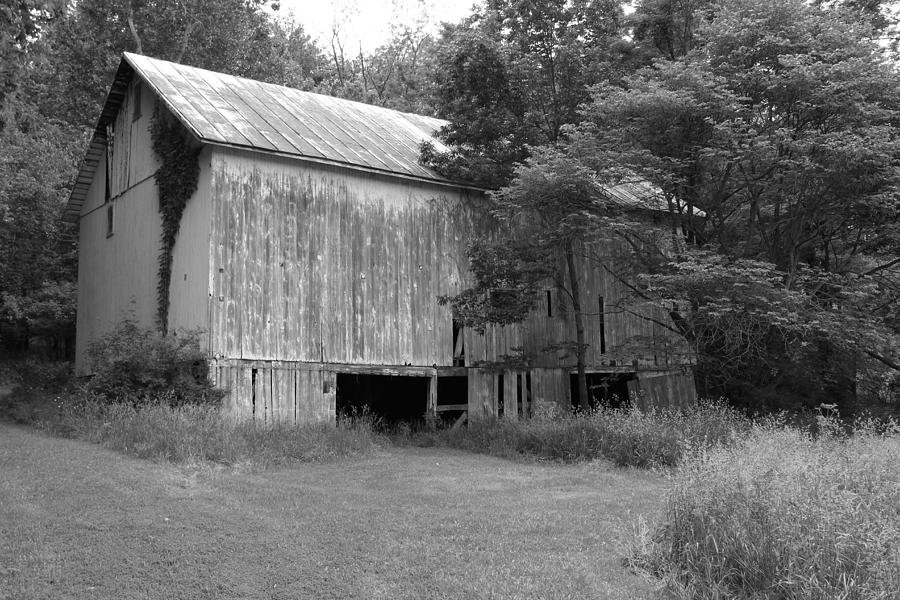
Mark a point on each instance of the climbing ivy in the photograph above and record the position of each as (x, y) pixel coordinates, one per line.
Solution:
(176, 180)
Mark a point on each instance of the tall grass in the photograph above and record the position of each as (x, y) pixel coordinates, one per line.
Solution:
(784, 514)
(626, 437)
(190, 433)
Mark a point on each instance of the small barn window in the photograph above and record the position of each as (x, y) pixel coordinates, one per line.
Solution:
(136, 101)
(549, 303)
(110, 218)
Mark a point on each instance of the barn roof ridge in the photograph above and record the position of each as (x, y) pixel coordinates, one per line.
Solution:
(237, 112)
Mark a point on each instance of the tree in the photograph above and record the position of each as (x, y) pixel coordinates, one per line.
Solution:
(37, 250)
(513, 74)
(487, 131)
(21, 25)
(667, 28)
(548, 218)
(396, 74)
(86, 44)
(780, 127)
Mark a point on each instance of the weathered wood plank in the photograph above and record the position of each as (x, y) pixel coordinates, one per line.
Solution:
(510, 395)
(482, 394)
(366, 265)
(432, 405)
(449, 407)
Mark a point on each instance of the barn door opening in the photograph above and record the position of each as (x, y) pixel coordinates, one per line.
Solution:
(605, 389)
(394, 399)
(452, 398)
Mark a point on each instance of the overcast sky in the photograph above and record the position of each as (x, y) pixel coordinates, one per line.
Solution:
(368, 22)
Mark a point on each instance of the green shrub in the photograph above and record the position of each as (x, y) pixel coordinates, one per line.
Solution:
(783, 514)
(138, 366)
(50, 376)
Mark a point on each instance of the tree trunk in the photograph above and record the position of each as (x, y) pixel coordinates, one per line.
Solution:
(581, 349)
(185, 39)
(129, 18)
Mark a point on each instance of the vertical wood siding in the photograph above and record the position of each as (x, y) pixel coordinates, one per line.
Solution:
(550, 387)
(632, 329)
(132, 158)
(482, 391)
(663, 389)
(284, 392)
(324, 264)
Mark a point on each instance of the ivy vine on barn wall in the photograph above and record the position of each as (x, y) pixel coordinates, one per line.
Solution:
(176, 180)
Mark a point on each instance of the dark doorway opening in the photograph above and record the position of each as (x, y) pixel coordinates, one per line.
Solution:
(453, 397)
(395, 399)
(609, 390)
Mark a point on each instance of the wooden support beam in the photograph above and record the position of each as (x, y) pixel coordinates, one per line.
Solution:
(432, 406)
(448, 407)
(397, 371)
(452, 371)
(462, 419)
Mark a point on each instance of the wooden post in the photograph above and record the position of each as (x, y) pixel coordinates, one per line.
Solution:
(510, 395)
(431, 406)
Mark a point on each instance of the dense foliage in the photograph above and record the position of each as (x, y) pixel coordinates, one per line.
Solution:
(768, 129)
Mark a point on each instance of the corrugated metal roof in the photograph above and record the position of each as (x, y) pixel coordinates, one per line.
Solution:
(223, 109)
(233, 111)
(236, 112)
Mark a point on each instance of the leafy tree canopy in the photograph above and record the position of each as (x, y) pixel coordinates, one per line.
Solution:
(513, 74)
(781, 127)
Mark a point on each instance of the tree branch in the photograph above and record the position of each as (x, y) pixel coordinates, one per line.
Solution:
(184, 40)
(886, 265)
(883, 359)
(129, 17)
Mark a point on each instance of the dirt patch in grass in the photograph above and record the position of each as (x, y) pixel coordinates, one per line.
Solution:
(78, 521)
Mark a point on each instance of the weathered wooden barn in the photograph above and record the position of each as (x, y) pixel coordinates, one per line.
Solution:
(312, 254)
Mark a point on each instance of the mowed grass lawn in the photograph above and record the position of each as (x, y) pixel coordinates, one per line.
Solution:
(78, 521)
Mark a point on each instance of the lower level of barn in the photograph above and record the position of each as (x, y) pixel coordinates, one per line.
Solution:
(305, 393)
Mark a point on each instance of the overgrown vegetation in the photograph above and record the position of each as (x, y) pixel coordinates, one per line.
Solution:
(783, 514)
(176, 180)
(150, 396)
(625, 437)
(186, 433)
(138, 366)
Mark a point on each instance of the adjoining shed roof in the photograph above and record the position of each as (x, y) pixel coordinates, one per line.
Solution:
(641, 194)
(242, 113)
